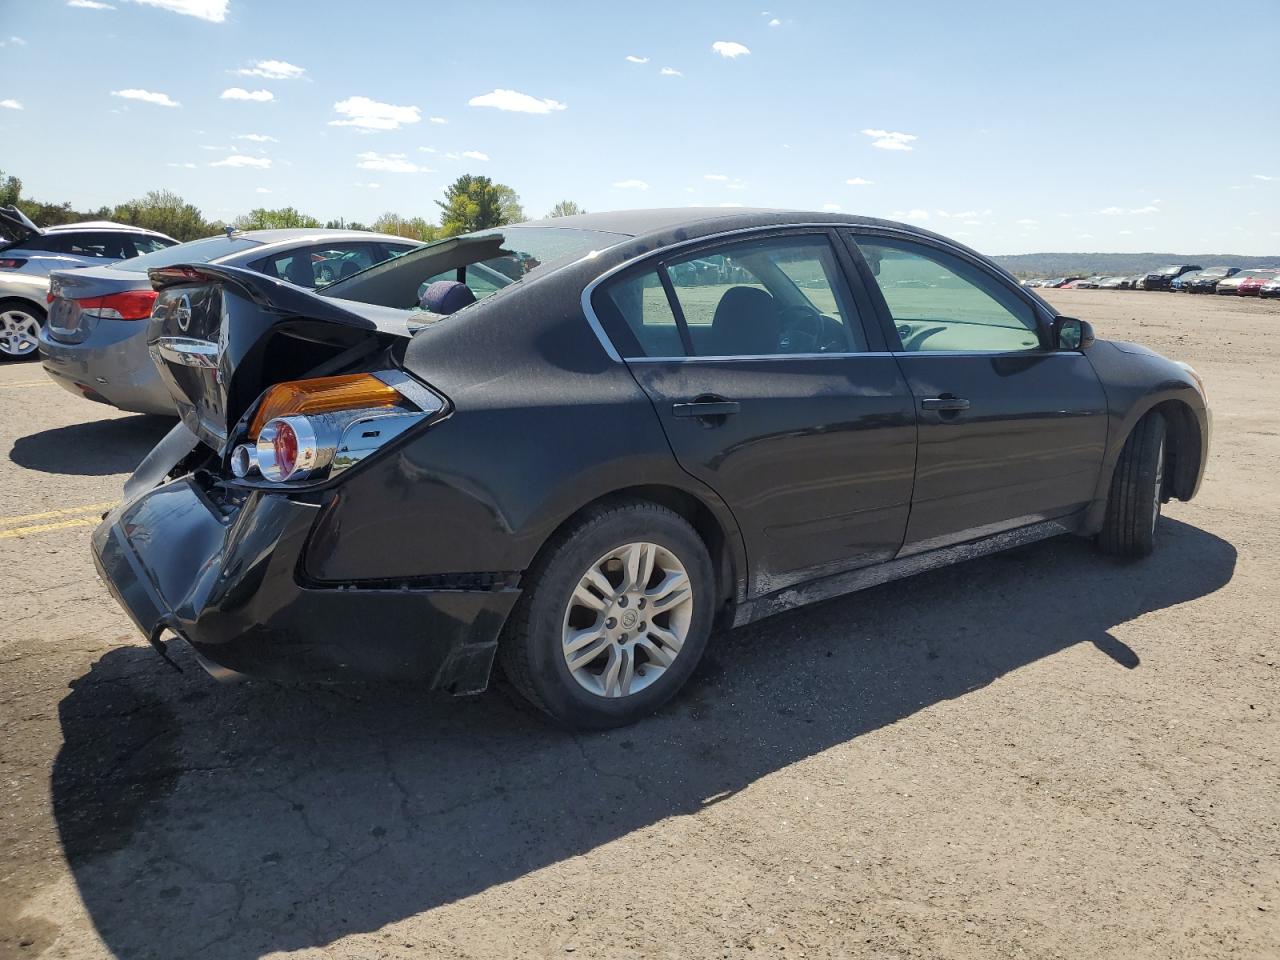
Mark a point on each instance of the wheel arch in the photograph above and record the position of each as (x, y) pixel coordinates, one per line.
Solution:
(717, 530)
(1184, 448)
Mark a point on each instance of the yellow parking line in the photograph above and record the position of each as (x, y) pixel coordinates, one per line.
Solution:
(26, 383)
(43, 527)
(61, 512)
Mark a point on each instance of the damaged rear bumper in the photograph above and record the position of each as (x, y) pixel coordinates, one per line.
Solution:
(227, 580)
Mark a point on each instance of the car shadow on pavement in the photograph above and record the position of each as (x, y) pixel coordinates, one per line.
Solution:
(257, 818)
(96, 448)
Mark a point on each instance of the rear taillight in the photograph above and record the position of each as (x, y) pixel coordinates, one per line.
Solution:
(11, 263)
(313, 429)
(130, 305)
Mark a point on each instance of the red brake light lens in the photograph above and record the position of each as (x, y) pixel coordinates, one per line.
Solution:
(11, 263)
(129, 305)
(285, 444)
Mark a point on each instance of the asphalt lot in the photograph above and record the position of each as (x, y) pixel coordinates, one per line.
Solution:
(1039, 754)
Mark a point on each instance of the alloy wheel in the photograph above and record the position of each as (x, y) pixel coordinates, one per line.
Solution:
(627, 620)
(18, 333)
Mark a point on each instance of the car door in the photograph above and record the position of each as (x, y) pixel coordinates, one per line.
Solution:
(774, 390)
(1011, 431)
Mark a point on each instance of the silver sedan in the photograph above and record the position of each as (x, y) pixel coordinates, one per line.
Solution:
(95, 341)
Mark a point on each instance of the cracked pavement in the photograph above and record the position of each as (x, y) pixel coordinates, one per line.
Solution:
(1037, 754)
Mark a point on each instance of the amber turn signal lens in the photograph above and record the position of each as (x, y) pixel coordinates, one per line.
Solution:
(350, 391)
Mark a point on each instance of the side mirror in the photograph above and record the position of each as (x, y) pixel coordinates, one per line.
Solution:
(1072, 334)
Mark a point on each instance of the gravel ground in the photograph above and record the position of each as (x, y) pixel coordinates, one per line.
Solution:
(1039, 754)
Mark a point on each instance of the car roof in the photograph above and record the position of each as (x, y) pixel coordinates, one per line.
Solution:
(640, 222)
(108, 225)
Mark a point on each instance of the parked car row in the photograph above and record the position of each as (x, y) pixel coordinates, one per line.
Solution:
(1181, 278)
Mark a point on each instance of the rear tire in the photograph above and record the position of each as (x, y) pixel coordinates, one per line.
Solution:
(20, 323)
(633, 563)
(1137, 487)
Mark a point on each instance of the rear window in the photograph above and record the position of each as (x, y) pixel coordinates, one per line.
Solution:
(197, 251)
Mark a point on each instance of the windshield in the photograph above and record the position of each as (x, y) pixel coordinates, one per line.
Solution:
(485, 262)
(197, 251)
(1169, 271)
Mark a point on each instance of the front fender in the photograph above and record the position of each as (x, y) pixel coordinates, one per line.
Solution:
(1136, 381)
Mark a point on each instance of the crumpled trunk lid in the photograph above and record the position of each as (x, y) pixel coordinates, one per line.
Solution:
(221, 335)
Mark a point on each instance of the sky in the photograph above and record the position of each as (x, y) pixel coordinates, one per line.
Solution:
(1014, 127)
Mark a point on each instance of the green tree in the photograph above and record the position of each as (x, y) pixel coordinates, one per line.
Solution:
(476, 203)
(261, 218)
(10, 189)
(415, 228)
(165, 211)
(565, 208)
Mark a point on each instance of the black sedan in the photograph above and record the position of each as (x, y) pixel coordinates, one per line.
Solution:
(609, 434)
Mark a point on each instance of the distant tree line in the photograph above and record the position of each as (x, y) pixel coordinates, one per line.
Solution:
(470, 203)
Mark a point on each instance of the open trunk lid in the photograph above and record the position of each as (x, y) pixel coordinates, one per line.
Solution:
(15, 227)
(221, 335)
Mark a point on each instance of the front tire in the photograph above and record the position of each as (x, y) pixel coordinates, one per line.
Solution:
(20, 324)
(614, 618)
(1137, 489)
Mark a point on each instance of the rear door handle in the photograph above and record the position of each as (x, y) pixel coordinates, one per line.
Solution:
(944, 403)
(705, 408)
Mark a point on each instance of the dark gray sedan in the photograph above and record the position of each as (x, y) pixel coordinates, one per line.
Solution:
(95, 341)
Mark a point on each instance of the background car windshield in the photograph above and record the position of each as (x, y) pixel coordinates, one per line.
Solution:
(197, 251)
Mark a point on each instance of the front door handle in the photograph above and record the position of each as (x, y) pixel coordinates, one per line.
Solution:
(705, 408)
(944, 403)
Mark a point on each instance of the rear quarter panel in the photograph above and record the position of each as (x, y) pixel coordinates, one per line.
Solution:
(543, 423)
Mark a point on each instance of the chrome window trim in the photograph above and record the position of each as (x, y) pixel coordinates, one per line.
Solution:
(761, 356)
(659, 253)
(594, 322)
(868, 353)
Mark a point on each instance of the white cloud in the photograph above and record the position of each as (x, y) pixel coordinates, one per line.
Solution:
(890, 139)
(89, 5)
(273, 70)
(1263, 176)
(1028, 222)
(516, 102)
(146, 96)
(257, 138)
(243, 160)
(475, 155)
(859, 182)
(909, 215)
(631, 185)
(736, 185)
(261, 190)
(369, 114)
(11, 105)
(388, 163)
(718, 177)
(634, 59)
(831, 207)
(426, 149)
(1120, 211)
(775, 22)
(670, 72)
(240, 93)
(215, 11)
(437, 120)
(16, 41)
(729, 48)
